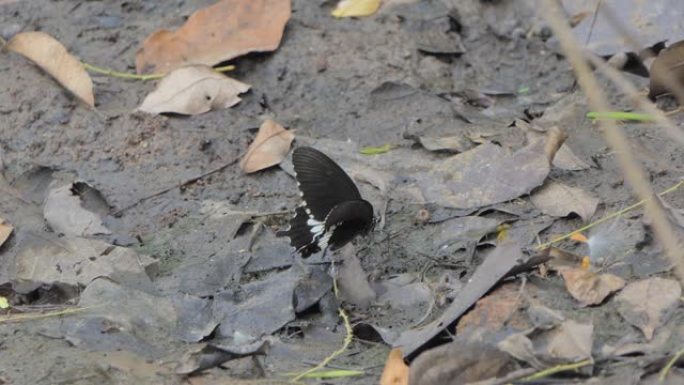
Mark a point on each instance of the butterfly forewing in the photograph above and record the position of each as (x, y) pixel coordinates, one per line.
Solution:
(322, 182)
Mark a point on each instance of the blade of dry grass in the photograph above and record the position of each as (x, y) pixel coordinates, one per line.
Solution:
(634, 174)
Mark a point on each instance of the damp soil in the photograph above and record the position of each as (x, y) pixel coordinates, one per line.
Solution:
(321, 82)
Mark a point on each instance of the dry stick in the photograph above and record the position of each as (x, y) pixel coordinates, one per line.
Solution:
(670, 364)
(557, 369)
(606, 218)
(633, 173)
(143, 77)
(184, 183)
(637, 98)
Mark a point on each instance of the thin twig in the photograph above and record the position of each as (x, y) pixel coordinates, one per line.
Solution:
(184, 183)
(557, 369)
(606, 218)
(633, 172)
(143, 77)
(670, 364)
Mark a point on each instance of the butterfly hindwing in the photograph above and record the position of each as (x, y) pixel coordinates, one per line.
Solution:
(322, 183)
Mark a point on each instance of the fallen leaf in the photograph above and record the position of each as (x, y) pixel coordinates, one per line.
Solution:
(50, 55)
(455, 144)
(220, 32)
(647, 304)
(4, 303)
(588, 287)
(396, 371)
(355, 8)
(193, 90)
(666, 67)
(570, 341)
(559, 200)
(352, 280)
(65, 212)
(269, 148)
(484, 175)
(565, 158)
(5, 231)
(494, 312)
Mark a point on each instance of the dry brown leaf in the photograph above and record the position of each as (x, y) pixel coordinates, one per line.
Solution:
(648, 303)
(493, 312)
(269, 148)
(559, 200)
(588, 287)
(668, 63)
(570, 341)
(50, 55)
(5, 231)
(220, 32)
(396, 371)
(193, 90)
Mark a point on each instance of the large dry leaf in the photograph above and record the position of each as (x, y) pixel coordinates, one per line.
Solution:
(269, 148)
(571, 341)
(225, 30)
(485, 175)
(396, 371)
(193, 90)
(667, 64)
(559, 200)
(5, 230)
(356, 8)
(53, 58)
(648, 303)
(66, 213)
(588, 287)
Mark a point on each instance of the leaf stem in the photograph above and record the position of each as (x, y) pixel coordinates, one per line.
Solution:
(143, 77)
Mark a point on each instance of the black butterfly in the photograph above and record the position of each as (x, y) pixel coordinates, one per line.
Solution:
(332, 211)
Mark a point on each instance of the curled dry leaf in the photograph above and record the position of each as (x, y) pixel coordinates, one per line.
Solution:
(559, 200)
(50, 55)
(648, 303)
(5, 230)
(355, 8)
(666, 67)
(220, 32)
(396, 371)
(193, 90)
(588, 287)
(269, 148)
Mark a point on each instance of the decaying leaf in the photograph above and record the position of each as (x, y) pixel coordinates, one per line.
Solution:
(396, 371)
(559, 200)
(65, 210)
(494, 312)
(666, 67)
(570, 341)
(220, 32)
(355, 8)
(5, 230)
(565, 158)
(455, 144)
(485, 175)
(269, 148)
(50, 55)
(648, 303)
(588, 287)
(193, 90)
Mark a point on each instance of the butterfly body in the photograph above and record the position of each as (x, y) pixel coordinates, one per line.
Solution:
(332, 211)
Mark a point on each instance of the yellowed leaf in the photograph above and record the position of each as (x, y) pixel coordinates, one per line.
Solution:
(396, 372)
(354, 8)
(193, 90)
(588, 287)
(5, 231)
(50, 55)
(269, 148)
(4, 304)
(220, 32)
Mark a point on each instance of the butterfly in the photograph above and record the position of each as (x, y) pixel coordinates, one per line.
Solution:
(332, 211)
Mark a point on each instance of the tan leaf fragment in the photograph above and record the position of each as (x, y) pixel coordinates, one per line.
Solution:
(396, 371)
(50, 55)
(588, 287)
(648, 303)
(5, 230)
(220, 32)
(269, 148)
(571, 341)
(193, 90)
(559, 200)
(356, 8)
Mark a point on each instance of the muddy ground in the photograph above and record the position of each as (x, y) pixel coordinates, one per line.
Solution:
(369, 81)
